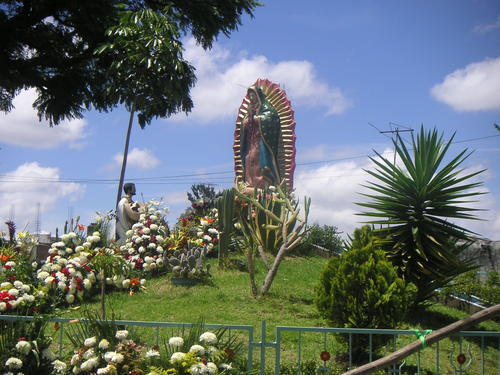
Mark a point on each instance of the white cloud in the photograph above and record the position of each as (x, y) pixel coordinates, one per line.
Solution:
(333, 189)
(30, 184)
(474, 88)
(223, 80)
(483, 29)
(21, 127)
(137, 158)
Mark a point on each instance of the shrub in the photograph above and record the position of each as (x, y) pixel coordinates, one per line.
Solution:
(361, 289)
(326, 236)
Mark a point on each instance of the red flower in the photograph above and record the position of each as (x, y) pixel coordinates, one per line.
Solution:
(4, 258)
(65, 271)
(5, 296)
(152, 238)
(135, 281)
(204, 361)
(229, 352)
(325, 356)
(80, 227)
(22, 339)
(8, 305)
(12, 277)
(7, 267)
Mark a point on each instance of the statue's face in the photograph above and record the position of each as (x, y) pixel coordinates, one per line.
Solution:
(254, 100)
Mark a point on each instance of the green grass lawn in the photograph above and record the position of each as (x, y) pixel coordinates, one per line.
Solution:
(227, 300)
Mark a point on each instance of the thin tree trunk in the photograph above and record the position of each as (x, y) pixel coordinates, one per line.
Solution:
(124, 162)
(273, 270)
(103, 301)
(430, 339)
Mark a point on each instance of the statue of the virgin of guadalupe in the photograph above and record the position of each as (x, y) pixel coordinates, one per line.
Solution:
(264, 144)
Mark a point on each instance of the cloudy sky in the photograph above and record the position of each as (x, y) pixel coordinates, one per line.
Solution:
(349, 68)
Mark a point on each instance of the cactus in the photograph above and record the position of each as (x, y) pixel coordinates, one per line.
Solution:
(225, 207)
(190, 264)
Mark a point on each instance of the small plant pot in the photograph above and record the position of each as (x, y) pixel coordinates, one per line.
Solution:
(184, 281)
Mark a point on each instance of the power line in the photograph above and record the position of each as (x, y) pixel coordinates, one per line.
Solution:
(183, 179)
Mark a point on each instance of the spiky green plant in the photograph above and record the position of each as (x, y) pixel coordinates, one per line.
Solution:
(414, 202)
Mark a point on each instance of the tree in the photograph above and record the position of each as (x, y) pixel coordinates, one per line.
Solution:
(270, 222)
(414, 203)
(98, 54)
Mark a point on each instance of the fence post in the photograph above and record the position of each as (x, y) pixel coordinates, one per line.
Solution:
(263, 347)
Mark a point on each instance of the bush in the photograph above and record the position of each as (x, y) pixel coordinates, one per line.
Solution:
(469, 284)
(361, 289)
(326, 236)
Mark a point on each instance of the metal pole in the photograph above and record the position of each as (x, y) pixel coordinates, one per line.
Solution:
(124, 162)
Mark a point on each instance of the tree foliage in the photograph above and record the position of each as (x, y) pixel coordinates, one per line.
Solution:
(98, 54)
(414, 203)
(361, 289)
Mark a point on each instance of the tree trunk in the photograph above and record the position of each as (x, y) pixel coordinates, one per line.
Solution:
(103, 301)
(273, 270)
(430, 339)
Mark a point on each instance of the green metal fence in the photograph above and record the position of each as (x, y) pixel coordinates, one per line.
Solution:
(467, 352)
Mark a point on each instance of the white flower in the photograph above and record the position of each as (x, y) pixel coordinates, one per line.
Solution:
(121, 335)
(143, 281)
(65, 237)
(198, 369)
(23, 347)
(146, 230)
(208, 338)
(159, 238)
(153, 217)
(48, 280)
(104, 370)
(75, 359)
(200, 233)
(103, 344)
(226, 366)
(14, 292)
(18, 284)
(70, 298)
(79, 248)
(42, 275)
(48, 354)
(89, 364)
(207, 238)
(151, 245)
(90, 342)
(213, 231)
(6, 285)
(89, 354)
(197, 349)
(126, 283)
(59, 366)
(14, 363)
(177, 358)
(176, 341)
(152, 353)
(212, 368)
(3, 306)
(108, 356)
(117, 358)
(62, 286)
(87, 284)
(148, 260)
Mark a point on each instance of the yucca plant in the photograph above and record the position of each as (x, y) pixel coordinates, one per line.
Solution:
(413, 203)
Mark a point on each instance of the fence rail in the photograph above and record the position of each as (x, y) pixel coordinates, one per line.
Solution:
(457, 351)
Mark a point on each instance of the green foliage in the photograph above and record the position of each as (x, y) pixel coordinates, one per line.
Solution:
(98, 54)
(469, 284)
(226, 220)
(325, 236)
(414, 201)
(362, 237)
(361, 289)
(202, 198)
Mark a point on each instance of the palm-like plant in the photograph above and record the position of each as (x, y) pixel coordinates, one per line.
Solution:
(413, 203)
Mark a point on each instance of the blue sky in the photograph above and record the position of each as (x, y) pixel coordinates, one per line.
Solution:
(344, 64)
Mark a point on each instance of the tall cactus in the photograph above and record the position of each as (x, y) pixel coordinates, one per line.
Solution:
(226, 214)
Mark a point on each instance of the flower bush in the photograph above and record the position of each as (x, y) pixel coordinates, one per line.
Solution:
(66, 274)
(108, 355)
(209, 355)
(24, 349)
(145, 246)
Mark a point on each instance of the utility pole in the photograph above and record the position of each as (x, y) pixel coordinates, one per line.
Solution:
(397, 131)
(124, 162)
